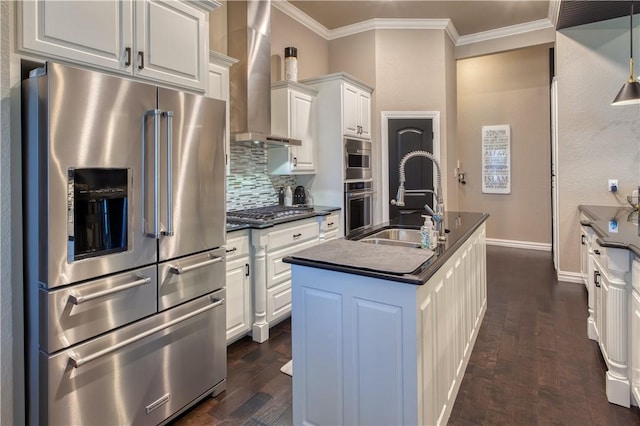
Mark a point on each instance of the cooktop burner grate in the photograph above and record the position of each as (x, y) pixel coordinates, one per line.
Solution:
(269, 214)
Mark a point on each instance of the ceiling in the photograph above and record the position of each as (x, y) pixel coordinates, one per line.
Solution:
(467, 16)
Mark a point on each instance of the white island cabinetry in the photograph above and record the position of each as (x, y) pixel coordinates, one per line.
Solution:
(368, 350)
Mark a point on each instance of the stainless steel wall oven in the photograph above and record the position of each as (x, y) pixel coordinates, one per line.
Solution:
(124, 231)
(357, 160)
(358, 205)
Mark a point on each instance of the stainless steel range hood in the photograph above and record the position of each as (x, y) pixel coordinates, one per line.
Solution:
(250, 78)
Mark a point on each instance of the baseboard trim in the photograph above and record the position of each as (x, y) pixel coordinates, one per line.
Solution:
(569, 277)
(519, 244)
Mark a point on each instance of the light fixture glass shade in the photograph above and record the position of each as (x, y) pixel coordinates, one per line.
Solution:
(629, 94)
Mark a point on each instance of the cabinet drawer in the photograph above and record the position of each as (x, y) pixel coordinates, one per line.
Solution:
(331, 235)
(237, 245)
(293, 235)
(279, 301)
(330, 223)
(86, 310)
(139, 374)
(190, 277)
(277, 270)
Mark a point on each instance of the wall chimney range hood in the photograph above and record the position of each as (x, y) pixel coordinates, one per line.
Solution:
(250, 78)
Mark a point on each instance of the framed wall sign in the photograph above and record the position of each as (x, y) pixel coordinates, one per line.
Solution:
(496, 159)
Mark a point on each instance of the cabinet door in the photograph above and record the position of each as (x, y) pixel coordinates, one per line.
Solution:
(171, 40)
(218, 88)
(238, 299)
(91, 32)
(301, 127)
(364, 113)
(584, 257)
(350, 114)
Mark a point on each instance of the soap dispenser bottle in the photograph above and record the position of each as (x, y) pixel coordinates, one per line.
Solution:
(426, 232)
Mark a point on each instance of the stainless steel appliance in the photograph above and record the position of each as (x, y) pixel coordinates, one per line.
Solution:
(358, 205)
(269, 215)
(357, 159)
(124, 233)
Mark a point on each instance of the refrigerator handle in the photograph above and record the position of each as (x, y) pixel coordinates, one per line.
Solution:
(155, 231)
(169, 231)
(75, 361)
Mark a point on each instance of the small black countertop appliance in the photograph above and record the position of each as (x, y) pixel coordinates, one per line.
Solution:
(299, 196)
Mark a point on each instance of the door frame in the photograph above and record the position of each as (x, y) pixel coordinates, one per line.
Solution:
(554, 175)
(384, 165)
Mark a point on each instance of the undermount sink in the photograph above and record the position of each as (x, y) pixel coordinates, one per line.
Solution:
(395, 237)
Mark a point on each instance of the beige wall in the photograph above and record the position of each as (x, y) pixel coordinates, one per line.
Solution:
(313, 50)
(597, 141)
(508, 88)
(413, 69)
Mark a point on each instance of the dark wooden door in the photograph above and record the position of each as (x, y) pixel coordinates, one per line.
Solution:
(406, 135)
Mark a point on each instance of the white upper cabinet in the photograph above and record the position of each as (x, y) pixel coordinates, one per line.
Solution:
(163, 41)
(293, 114)
(218, 88)
(357, 111)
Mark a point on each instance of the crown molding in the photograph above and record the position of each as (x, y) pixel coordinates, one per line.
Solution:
(288, 9)
(394, 24)
(541, 24)
(418, 24)
(554, 12)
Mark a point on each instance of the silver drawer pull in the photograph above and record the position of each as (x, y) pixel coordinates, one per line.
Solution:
(77, 299)
(76, 362)
(179, 270)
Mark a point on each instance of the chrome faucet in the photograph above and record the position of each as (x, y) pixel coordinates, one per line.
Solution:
(438, 213)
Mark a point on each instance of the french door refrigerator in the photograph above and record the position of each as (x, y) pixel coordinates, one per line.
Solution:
(124, 211)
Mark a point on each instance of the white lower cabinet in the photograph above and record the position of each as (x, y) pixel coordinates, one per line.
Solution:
(612, 286)
(329, 226)
(635, 346)
(272, 277)
(239, 312)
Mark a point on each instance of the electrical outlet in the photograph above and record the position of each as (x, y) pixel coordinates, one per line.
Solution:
(613, 185)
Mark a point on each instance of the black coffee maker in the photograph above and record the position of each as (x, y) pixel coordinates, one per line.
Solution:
(299, 196)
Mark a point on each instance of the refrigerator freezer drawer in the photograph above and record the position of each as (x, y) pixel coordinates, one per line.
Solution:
(183, 279)
(141, 374)
(83, 311)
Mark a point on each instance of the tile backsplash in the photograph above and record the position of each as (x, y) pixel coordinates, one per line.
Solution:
(249, 185)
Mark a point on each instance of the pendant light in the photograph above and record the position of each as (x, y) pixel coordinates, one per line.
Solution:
(630, 92)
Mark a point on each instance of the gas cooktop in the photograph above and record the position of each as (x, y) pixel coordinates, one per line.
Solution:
(269, 214)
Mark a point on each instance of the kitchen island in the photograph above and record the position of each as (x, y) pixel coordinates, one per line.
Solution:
(375, 347)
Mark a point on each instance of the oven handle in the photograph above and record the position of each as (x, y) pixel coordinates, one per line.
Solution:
(360, 194)
(77, 299)
(179, 270)
(76, 361)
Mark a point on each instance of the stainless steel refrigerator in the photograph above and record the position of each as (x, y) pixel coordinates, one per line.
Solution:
(124, 209)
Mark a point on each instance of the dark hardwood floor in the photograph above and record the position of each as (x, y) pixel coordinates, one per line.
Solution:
(532, 363)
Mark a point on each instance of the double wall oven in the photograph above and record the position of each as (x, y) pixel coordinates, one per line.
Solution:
(124, 232)
(358, 186)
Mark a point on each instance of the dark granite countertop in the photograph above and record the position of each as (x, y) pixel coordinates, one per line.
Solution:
(460, 225)
(317, 211)
(615, 227)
